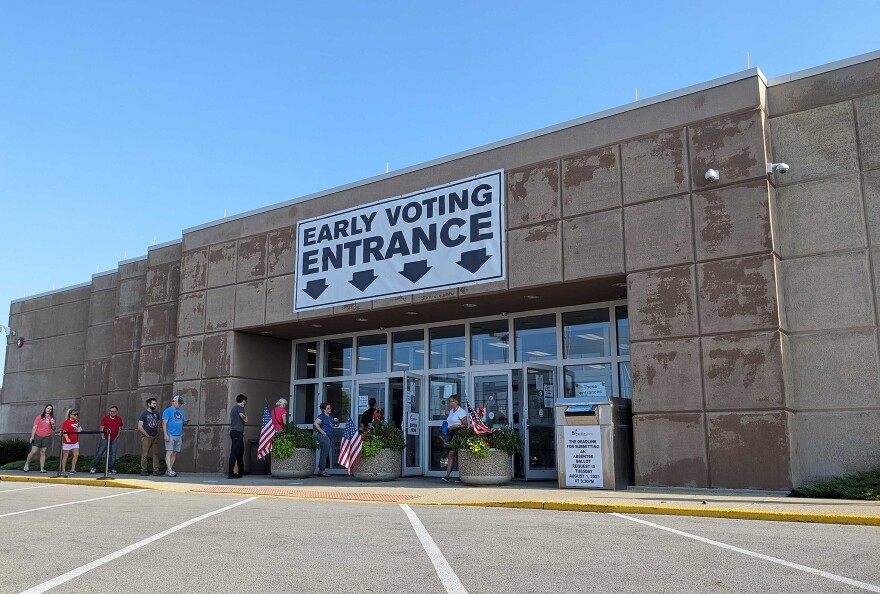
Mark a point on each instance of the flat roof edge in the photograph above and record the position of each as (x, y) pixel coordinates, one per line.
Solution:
(718, 82)
(52, 292)
(159, 246)
(860, 59)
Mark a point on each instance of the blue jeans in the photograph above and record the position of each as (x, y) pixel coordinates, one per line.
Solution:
(102, 449)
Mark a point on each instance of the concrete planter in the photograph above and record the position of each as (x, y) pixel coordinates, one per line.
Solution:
(299, 465)
(494, 469)
(384, 466)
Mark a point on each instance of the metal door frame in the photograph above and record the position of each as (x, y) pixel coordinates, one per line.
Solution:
(528, 472)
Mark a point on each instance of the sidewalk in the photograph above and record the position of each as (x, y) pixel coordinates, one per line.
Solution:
(746, 505)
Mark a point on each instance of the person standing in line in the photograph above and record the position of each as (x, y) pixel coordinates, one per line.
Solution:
(237, 420)
(457, 419)
(324, 425)
(173, 420)
(279, 415)
(112, 423)
(41, 437)
(148, 426)
(70, 440)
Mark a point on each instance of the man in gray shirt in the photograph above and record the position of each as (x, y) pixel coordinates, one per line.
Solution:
(237, 419)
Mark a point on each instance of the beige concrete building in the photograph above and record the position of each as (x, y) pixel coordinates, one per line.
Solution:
(740, 315)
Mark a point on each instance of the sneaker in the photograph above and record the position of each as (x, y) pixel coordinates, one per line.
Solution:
(145, 473)
(112, 472)
(457, 480)
(444, 479)
(25, 468)
(157, 473)
(91, 471)
(170, 473)
(72, 472)
(44, 471)
(63, 474)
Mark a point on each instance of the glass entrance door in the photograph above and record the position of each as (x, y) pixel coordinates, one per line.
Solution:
(538, 431)
(491, 392)
(367, 390)
(412, 424)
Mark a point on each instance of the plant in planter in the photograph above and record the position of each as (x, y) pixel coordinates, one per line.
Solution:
(293, 452)
(380, 458)
(486, 459)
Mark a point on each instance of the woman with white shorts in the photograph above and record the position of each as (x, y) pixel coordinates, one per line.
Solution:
(70, 440)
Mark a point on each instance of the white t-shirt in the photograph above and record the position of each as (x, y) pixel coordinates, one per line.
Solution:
(455, 417)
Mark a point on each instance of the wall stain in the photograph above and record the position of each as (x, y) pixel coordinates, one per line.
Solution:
(534, 183)
(670, 144)
(711, 137)
(724, 362)
(581, 169)
(739, 288)
(718, 225)
(699, 101)
(540, 233)
(254, 250)
(669, 299)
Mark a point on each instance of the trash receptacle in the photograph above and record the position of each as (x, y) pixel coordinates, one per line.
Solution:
(594, 443)
(255, 465)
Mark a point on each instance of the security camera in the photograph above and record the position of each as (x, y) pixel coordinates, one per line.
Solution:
(9, 331)
(780, 168)
(712, 175)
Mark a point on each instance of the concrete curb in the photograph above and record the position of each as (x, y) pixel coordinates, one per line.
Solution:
(622, 508)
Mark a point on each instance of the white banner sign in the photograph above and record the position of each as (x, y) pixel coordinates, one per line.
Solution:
(448, 236)
(583, 457)
(590, 389)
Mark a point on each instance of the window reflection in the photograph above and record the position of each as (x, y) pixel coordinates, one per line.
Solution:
(622, 329)
(337, 360)
(447, 347)
(490, 342)
(306, 360)
(372, 353)
(535, 338)
(586, 333)
(588, 381)
(408, 350)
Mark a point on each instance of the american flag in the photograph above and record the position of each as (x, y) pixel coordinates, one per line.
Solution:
(477, 424)
(267, 434)
(351, 446)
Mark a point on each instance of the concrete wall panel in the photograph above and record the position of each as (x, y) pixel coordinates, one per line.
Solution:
(749, 450)
(213, 446)
(534, 256)
(123, 371)
(219, 308)
(250, 304)
(871, 187)
(533, 195)
(281, 256)
(191, 314)
(96, 377)
(868, 118)
(215, 402)
(831, 444)
(743, 371)
(163, 283)
(833, 371)
(58, 383)
(738, 294)
(105, 281)
(813, 296)
(662, 303)
(733, 145)
(188, 358)
(592, 245)
(127, 333)
(156, 365)
(102, 307)
(160, 324)
(217, 355)
(815, 143)
(666, 376)
(251, 263)
(670, 450)
(279, 299)
(221, 264)
(654, 166)
(69, 318)
(99, 342)
(732, 221)
(133, 269)
(194, 271)
(658, 234)
(825, 88)
(591, 182)
(131, 296)
(820, 216)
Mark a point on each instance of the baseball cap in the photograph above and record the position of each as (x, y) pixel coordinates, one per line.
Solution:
(178, 399)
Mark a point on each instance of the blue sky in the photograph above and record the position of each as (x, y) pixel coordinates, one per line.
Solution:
(121, 122)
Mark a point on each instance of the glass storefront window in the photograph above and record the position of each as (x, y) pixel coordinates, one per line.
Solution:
(408, 350)
(626, 382)
(586, 334)
(302, 409)
(372, 353)
(337, 357)
(442, 387)
(535, 338)
(306, 360)
(490, 342)
(491, 394)
(447, 347)
(584, 381)
(338, 395)
(622, 329)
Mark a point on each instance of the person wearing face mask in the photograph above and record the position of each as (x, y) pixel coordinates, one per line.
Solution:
(148, 426)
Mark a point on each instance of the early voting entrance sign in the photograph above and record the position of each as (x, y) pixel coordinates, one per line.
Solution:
(583, 456)
(447, 236)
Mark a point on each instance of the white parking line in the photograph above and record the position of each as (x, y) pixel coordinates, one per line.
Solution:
(75, 573)
(27, 511)
(28, 488)
(798, 566)
(447, 575)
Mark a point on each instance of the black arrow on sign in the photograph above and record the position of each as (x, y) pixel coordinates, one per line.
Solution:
(473, 260)
(363, 279)
(315, 288)
(415, 270)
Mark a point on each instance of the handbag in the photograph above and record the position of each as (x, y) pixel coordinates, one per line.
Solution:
(444, 429)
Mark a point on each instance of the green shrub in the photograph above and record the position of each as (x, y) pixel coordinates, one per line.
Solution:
(505, 439)
(12, 450)
(127, 464)
(291, 438)
(382, 436)
(863, 485)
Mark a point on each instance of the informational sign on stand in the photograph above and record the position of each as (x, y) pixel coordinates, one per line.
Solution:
(583, 457)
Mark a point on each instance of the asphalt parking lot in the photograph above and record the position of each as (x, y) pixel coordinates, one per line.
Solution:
(69, 538)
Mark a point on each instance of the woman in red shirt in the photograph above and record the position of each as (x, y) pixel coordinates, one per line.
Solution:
(70, 440)
(41, 437)
(279, 415)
